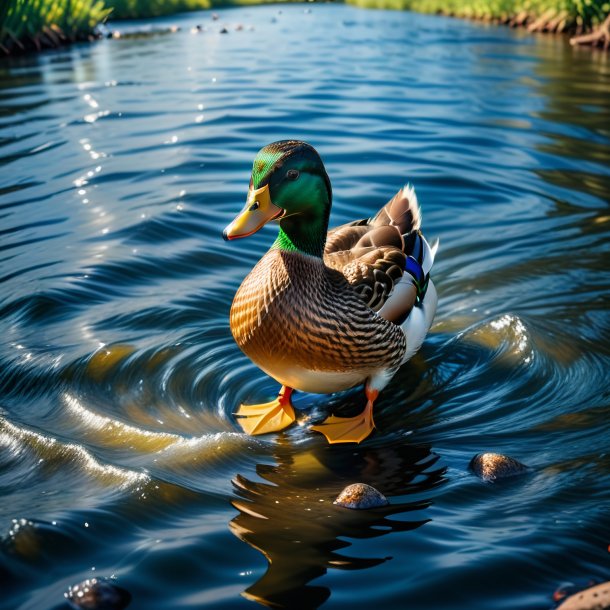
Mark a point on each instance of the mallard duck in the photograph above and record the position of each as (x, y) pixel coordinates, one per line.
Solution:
(322, 312)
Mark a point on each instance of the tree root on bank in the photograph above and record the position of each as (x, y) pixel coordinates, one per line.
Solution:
(550, 21)
(540, 24)
(519, 20)
(598, 38)
(558, 23)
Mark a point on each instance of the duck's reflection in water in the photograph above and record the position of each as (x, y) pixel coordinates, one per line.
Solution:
(290, 517)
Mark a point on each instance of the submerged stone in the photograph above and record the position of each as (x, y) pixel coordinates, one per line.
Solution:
(360, 496)
(27, 538)
(493, 466)
(594, 598)
(97, 594)
(36, 541)
(567, 589)
(22, 538)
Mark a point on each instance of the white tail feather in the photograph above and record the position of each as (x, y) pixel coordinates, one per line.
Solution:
(417, 325)
(429, 254)
(408, 191)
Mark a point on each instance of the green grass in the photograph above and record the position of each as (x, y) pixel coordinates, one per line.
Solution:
(28, 24)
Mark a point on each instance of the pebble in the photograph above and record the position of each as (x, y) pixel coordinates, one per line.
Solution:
(30, 539)
(567, 589)
(595, 598)
(360, 496)
(22, 538)
(97, 594)
(493, 466)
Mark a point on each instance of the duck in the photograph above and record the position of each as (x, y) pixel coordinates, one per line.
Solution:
(324, 311)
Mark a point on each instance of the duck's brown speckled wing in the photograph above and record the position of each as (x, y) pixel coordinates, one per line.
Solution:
(371, 253)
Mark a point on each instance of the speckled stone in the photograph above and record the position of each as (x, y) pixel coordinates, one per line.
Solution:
(493, 466)
(595, 598)
(97, 594)
(360, 496)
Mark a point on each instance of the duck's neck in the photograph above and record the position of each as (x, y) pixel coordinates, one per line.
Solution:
(292, 241)
(304, 232)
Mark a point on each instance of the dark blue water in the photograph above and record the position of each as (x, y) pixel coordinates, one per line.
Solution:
(122, 161)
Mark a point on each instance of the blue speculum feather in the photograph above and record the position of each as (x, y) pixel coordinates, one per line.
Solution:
(415, 270)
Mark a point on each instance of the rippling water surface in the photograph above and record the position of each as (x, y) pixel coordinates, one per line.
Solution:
(121, 163)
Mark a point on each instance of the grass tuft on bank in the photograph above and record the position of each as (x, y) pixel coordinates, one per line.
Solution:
(38, 24)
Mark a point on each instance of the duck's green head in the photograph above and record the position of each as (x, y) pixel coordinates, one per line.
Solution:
(289, 184)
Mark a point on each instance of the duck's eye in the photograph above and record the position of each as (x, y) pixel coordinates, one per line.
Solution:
(254, 206)
(292, 174)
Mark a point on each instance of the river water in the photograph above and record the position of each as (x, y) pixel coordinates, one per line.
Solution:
(123, 160)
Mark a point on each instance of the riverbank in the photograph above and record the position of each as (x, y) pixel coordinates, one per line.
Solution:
(142, 9)
(26, 26)
(47, 24)
(587, 21)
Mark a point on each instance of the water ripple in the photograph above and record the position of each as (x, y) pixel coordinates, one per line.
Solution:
(119, 448)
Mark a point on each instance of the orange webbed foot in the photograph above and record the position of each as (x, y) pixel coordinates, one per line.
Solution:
(267, 417)
(350, 429)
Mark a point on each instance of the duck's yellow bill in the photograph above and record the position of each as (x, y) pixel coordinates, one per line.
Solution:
(257, 212)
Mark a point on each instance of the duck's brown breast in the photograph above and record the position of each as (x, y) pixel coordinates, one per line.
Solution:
(293, 310)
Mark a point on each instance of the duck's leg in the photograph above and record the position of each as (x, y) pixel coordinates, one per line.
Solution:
(268, 417)
(350, 429)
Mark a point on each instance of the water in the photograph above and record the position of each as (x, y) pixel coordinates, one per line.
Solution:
(123, 160)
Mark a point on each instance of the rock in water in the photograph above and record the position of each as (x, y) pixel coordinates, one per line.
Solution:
(23, 539)
(32, 539)
(97, 594)
(595, 598)
(361, 496)
(493, 466)
(568, 589)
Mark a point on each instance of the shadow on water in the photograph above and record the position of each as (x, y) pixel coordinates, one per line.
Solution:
(290, 517)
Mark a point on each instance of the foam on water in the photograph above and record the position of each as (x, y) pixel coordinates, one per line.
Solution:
(47, 449)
